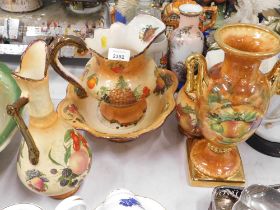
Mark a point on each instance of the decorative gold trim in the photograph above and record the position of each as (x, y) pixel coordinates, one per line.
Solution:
(198, 179)
(235, 51)
(218, 149)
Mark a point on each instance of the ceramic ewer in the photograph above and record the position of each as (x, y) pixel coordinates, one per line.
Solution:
(53, 158)
(9, 92)
(20, 5)
(116, 99)
(123, 199)
(227, 103)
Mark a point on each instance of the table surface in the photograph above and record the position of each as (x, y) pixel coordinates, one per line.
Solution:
(153, 165)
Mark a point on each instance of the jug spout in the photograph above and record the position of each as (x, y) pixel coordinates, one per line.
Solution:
(274, 79)
(32, 78)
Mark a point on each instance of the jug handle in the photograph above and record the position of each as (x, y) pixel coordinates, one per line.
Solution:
(54, 48)
(274, 79)
(194, 83)
(14, 111)
(204, 27)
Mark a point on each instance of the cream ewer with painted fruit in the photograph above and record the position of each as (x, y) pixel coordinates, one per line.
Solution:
(53, 158)
(122, 86)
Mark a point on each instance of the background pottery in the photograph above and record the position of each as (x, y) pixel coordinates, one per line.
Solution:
(9, 93)
(20, 5)
(186, 39)
(53, 158)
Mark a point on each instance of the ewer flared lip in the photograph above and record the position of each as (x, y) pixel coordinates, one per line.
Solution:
(26, 61)
(248, 40)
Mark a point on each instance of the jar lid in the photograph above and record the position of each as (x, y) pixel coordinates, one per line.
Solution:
(191, 9)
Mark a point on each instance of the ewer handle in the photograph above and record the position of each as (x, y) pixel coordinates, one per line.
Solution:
(195, 82)
(55, 47)
(14, 111)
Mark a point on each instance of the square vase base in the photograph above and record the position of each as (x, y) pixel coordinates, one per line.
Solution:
(197, 179)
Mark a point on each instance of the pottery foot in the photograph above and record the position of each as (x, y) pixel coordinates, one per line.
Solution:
(66, 195)
(124, 115)
(213, 163)
(187, 134)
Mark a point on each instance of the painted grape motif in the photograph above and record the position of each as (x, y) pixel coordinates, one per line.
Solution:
(130, 202)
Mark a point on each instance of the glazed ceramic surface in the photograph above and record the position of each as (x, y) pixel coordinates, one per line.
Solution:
(159, 51)
(54, 158)
(20, 5)
(124, 98)
(84, 6)
(9, 92)
(186, 39)
(232, 98)
(123, 199)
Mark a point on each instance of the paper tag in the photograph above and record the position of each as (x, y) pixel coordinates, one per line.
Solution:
(118, 54)
(11, 28)
(33, 31)
(12, 49)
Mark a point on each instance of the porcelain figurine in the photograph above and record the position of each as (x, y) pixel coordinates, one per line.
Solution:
(228, 102)
(9, 92)
(20, 5)
(186, 39)
(123, 199)
(53, 158)
(121, 99)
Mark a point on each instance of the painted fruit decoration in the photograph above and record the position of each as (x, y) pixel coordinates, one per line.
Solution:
(92, 81)
(77, 160)
(37, 180)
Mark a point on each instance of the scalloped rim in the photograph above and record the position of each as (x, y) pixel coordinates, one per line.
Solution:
(127, 136)
(8, 130)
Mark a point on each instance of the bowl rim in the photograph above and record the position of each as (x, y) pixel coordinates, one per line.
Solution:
(9, 128)
(125, 137)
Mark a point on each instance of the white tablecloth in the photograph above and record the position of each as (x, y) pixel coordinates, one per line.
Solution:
(153, 165)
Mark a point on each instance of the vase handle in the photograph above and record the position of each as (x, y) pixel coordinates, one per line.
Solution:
(14, 111)
(54, 48)
(274, 79)
(194, 82)
(213, 10)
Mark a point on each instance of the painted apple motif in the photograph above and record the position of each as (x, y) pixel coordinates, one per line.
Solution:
(79, 161)
(235, 129)
(38, 184)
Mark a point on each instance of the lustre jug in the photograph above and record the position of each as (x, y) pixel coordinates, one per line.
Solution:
(54, 158)
(226, 104)
(121, 86)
